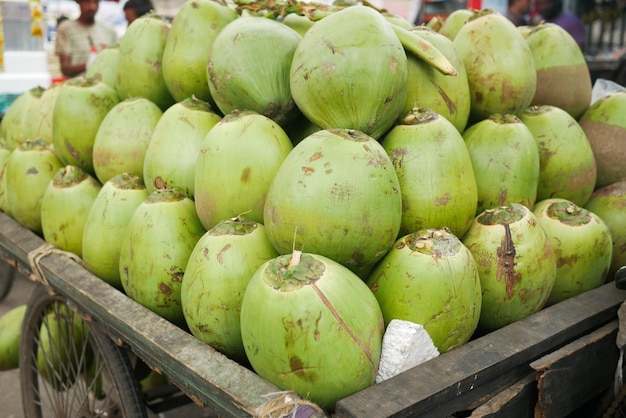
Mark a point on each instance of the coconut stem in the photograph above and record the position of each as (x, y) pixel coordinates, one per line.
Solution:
(295, 258)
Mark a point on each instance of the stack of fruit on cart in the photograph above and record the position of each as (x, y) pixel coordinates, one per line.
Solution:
(285, 179)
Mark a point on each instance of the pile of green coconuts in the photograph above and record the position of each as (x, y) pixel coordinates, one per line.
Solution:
(284, 179)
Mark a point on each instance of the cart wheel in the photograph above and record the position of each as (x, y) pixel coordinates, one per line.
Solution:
(7, 274)
(70, 368)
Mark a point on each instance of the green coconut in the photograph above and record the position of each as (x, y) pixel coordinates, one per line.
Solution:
(335, 87)
(236, 164)
(516, 264)
(104, 67)
(21, 118)
(215, 280)
(567, 167)
(30, 168)
(430, 278)
(310, 325)
(435, 172)
(122, 140)
(140, 61)
(428, 87)
(499, 64)
(455, 20)
(609, 203)
(338, 195)
(248, 68)
(78, 112)
(506, 163)
(48, 98)
(173, 149)
(10, 336)
(299, 23)
(64, 208)
(582, 244)
(193, 30)
(153, 259)
(563, 78)
(106, 223)
(605, 127)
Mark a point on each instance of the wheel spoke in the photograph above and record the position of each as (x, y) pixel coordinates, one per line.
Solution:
(69, 369)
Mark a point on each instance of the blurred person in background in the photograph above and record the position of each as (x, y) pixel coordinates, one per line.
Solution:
(551, 11)
(75, 38)
(517, 12)
(137, 8)
(416, 12)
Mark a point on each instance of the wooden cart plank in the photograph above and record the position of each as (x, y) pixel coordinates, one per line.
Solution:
(576, 373)
(207, 376)
(454, 380)
(516, 401)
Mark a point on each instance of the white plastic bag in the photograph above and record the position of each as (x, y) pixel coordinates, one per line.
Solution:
(602, 87)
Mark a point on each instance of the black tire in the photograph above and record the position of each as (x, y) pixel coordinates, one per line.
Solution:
(7, 274)
(620, 278)
(83, 374)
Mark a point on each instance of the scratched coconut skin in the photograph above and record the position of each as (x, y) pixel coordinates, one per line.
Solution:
(295, 314)
(430, 278)
(337, 195)
(516, 264)
(499, 81)
(155, 250)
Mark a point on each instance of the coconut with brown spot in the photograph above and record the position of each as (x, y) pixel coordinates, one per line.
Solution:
(175, 144)
(605, 126)
(106, 223)
(567, 167)
(563, 78)
(335, 87)
(435, 172)
(516, 264)
(215, 280)
(79, 109)
(123, 137)
(505, 158)
(155, 249)
(236, 163)
(140, 61)
(29, 169)
(427, 87)
(338, 195)
(193, 30)
(430, 278)
(499, 64)
(310, 325)
(22, 118)
(64, 208)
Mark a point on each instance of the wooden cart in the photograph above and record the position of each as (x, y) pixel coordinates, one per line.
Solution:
(551, 364)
